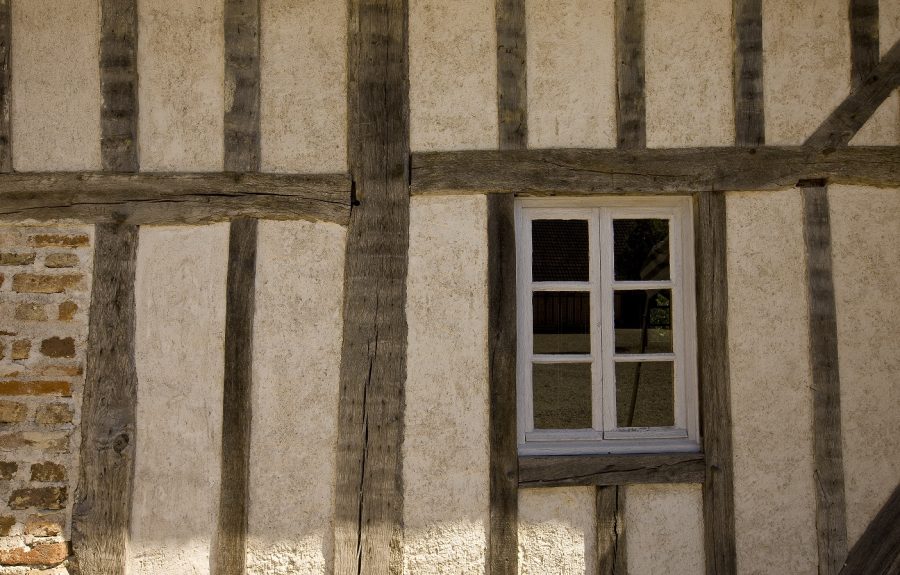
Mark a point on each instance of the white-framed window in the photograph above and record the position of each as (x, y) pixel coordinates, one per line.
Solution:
(606, 358)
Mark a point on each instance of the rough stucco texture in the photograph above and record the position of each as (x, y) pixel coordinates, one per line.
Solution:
(557, 531)
(181, 93)
(688, 67)
(296, 359)
(452, 75)
(664, 524)
(303, 122)
(571, 73)
(806, 60)
(445, 450)
(883, 128)
(771, 402)
(179, 347)
(55, 85)
(865, 231)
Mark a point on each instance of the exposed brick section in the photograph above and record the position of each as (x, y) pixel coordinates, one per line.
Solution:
(61, 260)
(59, 240)
(51, 442)
(58, 347)
(31, 312)
(48, 472)
(54, 414)
(53, 370)
(8, 259)
(44, 525)
(51, 553)
(51, 498)
(21, 349)
(8, 469)
(15, 387)
(12, 412)
(67, 310)
(6, 525)
(45, 283)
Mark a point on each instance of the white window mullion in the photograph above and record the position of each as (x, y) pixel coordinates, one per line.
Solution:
(608, 320)
(597, 340)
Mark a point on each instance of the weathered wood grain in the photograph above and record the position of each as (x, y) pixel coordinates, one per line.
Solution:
(561, 470)
(864, 44)
(655, 171)
(831, 513)
(145, 198)
(369, 482)
(512, 98)
(749, 107)
(715, 386)
(839, 128)
(504, 479)
(612, 556)
(119, 85)
(5, 86)
(631, 114)
(241, 137)
(102, 508)
(230, 544)
(877, 552)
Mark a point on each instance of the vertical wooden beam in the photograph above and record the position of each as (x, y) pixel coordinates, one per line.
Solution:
(864, 46)
(102, 510)
(631, 115)
(369, 483)
(241, 154)
(612, 557)
(749, 111)
(101, 514)
(5, 44)
(715, 386)
(512, 118)
(831, 519)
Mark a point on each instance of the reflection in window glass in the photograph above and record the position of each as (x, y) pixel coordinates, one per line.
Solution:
(643, 321)
(562, 395)
(641, 250)
(559, 250)
(562, 322)
(645, 394)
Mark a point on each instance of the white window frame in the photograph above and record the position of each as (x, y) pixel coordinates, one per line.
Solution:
(604, 437)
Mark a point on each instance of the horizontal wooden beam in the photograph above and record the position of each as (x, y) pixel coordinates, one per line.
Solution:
(186, 198)
(656, 171)
(561, 470)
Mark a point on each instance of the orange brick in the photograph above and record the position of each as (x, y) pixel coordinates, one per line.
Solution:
(67, 310)
(37, 554)
(44, 525)
(30, 312)
(9, 259)
(59, 240)
(21, 348)
(41, 283)
(17, 387)
(61, 261)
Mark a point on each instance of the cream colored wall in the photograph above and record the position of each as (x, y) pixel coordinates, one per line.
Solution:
(296, 360)
(303, 77)
(557, 531)
(883, 128)
(55, 83)
(688, 68)
(571, 73)
(664, 526)
(865, 231)
(771, 401)
(179, 350)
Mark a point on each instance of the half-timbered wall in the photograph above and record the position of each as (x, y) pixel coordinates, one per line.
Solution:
(181, 289)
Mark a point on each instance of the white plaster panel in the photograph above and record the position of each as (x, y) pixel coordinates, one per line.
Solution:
(452, 75)
(806, 65)
(179, 350)
(558, 531)
(865, 231)
(303, 106)
(181, 65)
(55, 115)
(296, 360)
(771, 401)
(689, 78)
(445, 450)
(883, 128)
(664, 524)
(571, 73)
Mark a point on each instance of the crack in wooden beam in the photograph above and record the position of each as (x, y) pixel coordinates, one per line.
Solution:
(612, 556)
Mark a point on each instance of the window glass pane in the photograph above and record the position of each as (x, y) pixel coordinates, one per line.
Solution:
(645, 394)
(562, 322)
(562, 395)
(643, 321)
(641, 249)
(559, 250)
